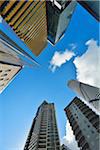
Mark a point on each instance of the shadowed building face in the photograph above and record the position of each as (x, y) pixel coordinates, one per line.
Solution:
(92, 6)
(28, 20)
(59, 14)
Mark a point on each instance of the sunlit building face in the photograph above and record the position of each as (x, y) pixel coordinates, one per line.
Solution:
(28, 20)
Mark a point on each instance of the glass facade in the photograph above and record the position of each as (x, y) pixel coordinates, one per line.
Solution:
(58, 19)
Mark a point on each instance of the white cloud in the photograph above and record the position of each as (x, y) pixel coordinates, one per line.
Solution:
(59, 58)
(88, 71)
(69, 138)
(88, 65)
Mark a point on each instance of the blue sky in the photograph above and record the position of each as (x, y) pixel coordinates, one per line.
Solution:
(20, 100)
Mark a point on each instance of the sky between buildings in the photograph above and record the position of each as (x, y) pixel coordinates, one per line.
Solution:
(76, 56)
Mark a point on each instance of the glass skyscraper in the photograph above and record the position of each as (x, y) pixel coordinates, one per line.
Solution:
(59, 14)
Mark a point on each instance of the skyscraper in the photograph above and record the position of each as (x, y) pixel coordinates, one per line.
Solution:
(59, 14)
(87, 92)
(85, 124)
(28, 20)
(92, 7)
(43, 134)
(12, 60)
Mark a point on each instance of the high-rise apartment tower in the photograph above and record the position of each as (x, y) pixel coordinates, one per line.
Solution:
(85, 124)
(43, 134)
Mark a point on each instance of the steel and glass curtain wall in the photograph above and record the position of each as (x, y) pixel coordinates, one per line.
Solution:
(59, 14)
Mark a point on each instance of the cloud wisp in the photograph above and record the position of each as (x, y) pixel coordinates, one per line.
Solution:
(60, 58)
(87, 65)
(73, 46)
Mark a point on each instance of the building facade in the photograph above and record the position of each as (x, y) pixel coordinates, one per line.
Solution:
(43, 134)
(59, 14)
(28, 20)
(37, 21)
(12, 60)
(89, 93)
(85, 124)
(7, 72)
